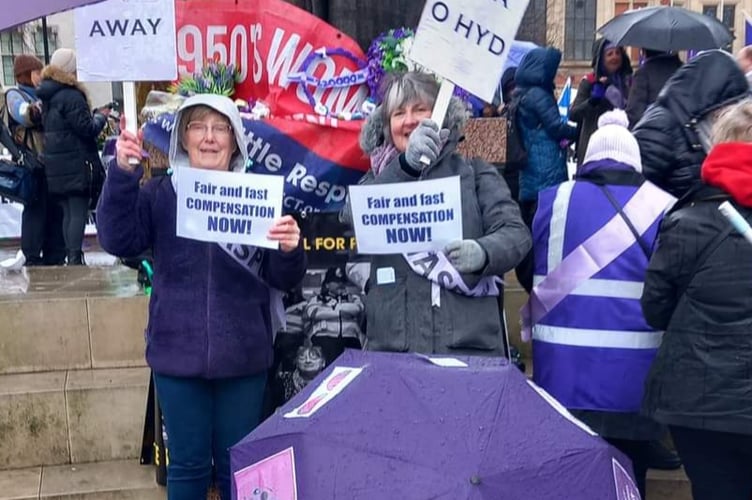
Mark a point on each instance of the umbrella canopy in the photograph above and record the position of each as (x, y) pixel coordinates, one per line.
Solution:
(403, 427)
(29, 10)
(666, 28)
(517, 52)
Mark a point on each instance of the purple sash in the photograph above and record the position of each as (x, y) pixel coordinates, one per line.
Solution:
(594, 254)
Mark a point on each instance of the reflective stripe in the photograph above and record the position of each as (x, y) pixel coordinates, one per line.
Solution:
(617, 289)
(618, 339)
(558, 223)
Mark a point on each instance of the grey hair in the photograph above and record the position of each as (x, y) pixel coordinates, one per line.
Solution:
(734, 124)
(402, 89)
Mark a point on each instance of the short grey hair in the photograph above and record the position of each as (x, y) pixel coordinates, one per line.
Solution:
(734, 124)
(405, 88)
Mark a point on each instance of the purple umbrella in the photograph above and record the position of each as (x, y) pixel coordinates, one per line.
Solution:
(402, 427)
(29, 10)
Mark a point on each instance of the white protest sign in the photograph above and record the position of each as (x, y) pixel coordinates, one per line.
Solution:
(228, 207)
(126, 40)
(467, 41)
(407, 216)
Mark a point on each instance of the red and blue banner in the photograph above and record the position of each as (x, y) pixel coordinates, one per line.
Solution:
(269, 40)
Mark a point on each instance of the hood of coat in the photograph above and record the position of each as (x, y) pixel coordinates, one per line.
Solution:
(538, 68)
(223, 105)
(372, 135)
(599, 47)
(729, 167)
(708, 82)
(55, 79)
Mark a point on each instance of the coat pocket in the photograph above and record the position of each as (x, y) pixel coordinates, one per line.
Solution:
(476, 322)
(386, 317)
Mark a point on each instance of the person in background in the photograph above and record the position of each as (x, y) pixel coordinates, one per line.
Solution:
(212, 313)
(408, 308)
(516, 156)
(592, 347)
(42, 240)
(698, 288)
(648, 81)
(674, 134)
(744, 60)
(70, 146)
(606, 88)
(535, 115)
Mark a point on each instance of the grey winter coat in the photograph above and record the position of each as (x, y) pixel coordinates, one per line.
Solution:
(399, 315)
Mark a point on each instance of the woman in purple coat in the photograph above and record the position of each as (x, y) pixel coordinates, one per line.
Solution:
(214, 307)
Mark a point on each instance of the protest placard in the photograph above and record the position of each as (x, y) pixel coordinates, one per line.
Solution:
(467, 41)
(126, 40)
(227, 207)
(406, 217)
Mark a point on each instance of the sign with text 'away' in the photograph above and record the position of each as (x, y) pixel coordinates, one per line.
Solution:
(467, 41)
(228, 207)
(407, 216)
(126, 40)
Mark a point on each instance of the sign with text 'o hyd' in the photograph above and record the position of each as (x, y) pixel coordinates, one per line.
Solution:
(467, 41)
(228, 207)
(407, 216)
(126, 40)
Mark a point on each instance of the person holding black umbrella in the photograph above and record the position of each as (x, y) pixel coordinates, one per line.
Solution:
(606, 88)
(649, 80)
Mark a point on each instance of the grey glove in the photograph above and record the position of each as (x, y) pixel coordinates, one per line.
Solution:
(426, 140)
(467, 256)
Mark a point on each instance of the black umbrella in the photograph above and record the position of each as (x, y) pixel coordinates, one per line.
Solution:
(667, 29)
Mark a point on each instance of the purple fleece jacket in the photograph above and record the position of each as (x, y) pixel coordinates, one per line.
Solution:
(208, 317)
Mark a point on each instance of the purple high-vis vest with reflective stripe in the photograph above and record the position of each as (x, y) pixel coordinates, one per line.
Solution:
(592, 349)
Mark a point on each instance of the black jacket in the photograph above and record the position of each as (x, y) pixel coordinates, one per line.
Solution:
(586, 108)
(702, 375)
(70, 133)
(647, 83)
(667, 133)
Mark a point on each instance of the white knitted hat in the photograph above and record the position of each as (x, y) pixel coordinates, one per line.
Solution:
(64, 59)
(614, 141)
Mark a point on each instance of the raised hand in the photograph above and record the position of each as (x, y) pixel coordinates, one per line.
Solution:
(128, 146)
(286, 231)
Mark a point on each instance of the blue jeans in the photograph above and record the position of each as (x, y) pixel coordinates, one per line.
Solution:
(203, 419)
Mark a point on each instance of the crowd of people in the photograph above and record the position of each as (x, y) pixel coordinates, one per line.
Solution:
(50, 113)
(638, 311)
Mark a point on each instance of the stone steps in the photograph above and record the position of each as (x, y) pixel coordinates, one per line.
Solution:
(110, 480)
(70, 417)
(73, 380)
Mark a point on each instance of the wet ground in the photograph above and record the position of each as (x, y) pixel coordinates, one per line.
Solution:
(102, 276)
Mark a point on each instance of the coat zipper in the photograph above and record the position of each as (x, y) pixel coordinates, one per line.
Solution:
(208, 310)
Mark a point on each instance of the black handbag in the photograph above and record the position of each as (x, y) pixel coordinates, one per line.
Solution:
(17, 182)
(18, 176)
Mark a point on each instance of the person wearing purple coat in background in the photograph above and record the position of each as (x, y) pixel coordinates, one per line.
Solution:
(592, 240)
(214, 307)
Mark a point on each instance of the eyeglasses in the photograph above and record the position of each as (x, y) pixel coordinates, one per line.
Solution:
(217, 129)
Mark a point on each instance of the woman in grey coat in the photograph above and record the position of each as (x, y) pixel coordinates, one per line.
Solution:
(407, 308)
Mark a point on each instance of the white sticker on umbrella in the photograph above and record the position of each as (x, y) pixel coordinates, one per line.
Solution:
(332, 385)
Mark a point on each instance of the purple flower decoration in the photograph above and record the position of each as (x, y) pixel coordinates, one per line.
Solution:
(386, 54)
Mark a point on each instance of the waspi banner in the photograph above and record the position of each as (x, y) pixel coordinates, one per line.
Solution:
(227, 207)
(406, 217)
